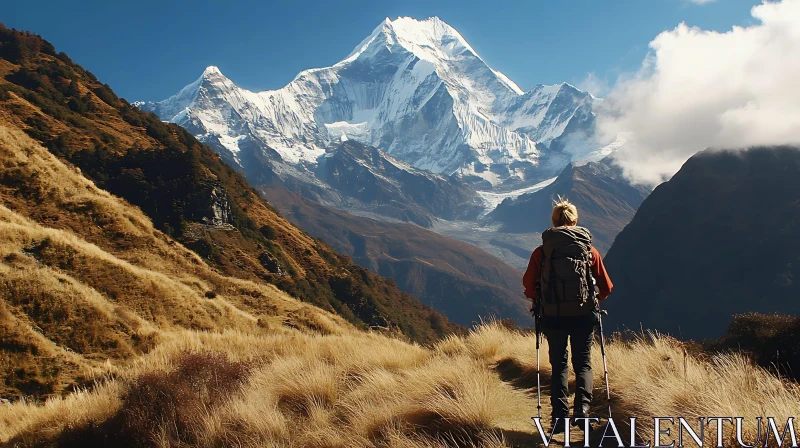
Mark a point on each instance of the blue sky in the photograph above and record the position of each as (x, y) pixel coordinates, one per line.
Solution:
(148, 50)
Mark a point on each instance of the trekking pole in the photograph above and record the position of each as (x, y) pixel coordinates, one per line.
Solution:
(605, 363)
(537, 314)
(538, 382)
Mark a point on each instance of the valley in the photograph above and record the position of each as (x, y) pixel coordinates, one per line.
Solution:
(457, 279)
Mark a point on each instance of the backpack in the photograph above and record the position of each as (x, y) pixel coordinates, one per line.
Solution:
(567, 285)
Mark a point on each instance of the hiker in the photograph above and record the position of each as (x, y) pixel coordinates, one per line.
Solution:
(561, 279)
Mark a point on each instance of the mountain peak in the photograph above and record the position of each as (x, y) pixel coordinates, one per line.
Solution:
(431, 32)
(429, 39)
(212, 78)
(212, 73)
(432, 26)
(211, 70)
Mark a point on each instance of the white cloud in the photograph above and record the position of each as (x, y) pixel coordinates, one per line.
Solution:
(699, 89)
(594, 85)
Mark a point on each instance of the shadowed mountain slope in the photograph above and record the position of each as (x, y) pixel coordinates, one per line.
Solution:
(722, 237)
(458, 279)
(367, 179)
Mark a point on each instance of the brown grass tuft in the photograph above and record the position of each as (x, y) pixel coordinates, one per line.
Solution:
(171, 406)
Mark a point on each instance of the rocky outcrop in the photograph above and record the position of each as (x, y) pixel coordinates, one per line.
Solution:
(219, 207)
(270, 263)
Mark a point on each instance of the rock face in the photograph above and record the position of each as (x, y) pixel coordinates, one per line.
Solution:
(219, 208)
(722, 237)
(414, 89)
(270, 263)
(606, 202)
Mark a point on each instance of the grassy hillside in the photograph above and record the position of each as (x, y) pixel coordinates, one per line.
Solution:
(187, 191)
(360, 390)
(87, 283)
(458, 279)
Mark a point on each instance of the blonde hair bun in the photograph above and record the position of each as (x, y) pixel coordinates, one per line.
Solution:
(564, 212)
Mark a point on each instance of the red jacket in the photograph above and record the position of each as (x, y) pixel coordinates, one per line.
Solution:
(533, 275)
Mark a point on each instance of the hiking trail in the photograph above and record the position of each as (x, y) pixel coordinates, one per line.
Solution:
(515, 421)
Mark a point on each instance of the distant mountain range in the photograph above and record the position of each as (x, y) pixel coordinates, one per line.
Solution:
(187, 197)
(722, 237)
(416, 90)
(367, 179)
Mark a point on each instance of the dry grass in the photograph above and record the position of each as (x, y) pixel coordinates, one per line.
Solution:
(653, 376)
(87, 284)
(356, 390)
(366, 389)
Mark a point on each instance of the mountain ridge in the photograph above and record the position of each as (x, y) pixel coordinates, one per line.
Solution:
(368, 179)
(606, 202)
(408, 87)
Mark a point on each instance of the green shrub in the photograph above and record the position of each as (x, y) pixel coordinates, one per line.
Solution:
(772, 340)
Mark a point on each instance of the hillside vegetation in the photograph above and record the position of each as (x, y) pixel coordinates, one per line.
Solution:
(362, 390)
(86, 280)
(771, 340)
(184, 188)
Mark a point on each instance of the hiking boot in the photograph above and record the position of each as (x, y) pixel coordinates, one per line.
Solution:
(580, 412)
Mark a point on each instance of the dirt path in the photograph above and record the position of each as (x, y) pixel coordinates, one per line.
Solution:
(515, 422)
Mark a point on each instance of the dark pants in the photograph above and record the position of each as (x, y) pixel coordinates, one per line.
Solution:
(579, 333)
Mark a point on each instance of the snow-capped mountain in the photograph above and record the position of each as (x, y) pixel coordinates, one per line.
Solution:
(414, 89)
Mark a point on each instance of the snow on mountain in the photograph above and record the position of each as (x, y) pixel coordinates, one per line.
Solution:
(492, 200)
(369, 180)
(415, 89)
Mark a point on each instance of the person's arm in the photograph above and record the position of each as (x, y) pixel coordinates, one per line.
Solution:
(601, 275)
(534, 273)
